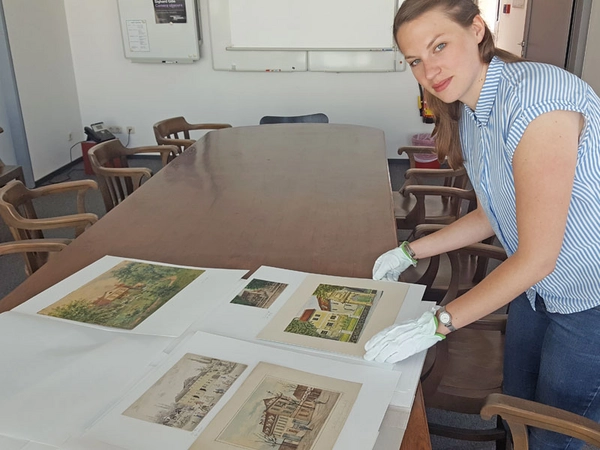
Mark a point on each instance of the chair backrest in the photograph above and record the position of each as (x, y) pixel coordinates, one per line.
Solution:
(176, 131)
(309, 118)
(521, 414)
(115, 178)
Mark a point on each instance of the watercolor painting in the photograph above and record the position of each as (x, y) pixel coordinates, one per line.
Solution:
(337, 313)
(259, 293)
(279, 408)
(124, 296)
(183, 396)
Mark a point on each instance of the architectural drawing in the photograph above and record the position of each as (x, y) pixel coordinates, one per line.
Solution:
(183, 396)
(276, 409)
(335, 314)
(124, 296)
(339, 313)
(259, 293)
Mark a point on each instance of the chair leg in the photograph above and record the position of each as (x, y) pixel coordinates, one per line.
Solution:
(504, 443)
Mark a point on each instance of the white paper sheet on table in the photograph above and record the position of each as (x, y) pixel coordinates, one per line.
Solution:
(8, 443)
(360, 429)
(197, 299)
(59, 376)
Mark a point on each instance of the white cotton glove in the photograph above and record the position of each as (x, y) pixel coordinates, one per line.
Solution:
(398, 342)
(392, 263)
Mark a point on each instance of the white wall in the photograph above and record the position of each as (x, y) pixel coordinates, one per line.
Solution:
(591, 62)
(43, 67)
(118, 92)
(509, 29)
(7, 154)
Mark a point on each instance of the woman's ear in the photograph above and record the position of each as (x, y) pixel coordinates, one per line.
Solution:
(478, 27)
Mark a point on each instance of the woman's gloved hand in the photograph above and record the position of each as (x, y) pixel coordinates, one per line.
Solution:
(398, 342)
(392, 263)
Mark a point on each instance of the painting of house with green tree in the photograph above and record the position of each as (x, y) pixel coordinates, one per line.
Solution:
(338, 313)
(124, 296)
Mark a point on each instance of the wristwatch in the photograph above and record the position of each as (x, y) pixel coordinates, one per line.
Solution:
(445, 318)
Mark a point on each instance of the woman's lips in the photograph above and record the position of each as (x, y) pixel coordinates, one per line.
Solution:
(442, 85)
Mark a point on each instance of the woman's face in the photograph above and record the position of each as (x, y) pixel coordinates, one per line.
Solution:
(444, 56)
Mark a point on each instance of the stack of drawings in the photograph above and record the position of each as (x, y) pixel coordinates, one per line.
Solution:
(129, 354)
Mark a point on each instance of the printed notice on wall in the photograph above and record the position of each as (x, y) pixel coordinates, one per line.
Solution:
(137, 33)
(170, 11)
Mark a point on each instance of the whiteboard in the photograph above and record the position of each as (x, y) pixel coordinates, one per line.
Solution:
(303, 35)
(145, 40)
(312, 24)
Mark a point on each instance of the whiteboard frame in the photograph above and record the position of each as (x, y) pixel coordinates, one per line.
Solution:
(229, 58)
(168, 43)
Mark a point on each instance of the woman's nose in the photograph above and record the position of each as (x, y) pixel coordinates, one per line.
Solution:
(430, 69)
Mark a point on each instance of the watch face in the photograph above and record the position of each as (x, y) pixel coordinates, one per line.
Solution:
(444, 317)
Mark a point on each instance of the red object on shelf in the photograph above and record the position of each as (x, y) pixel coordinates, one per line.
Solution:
(85, 148)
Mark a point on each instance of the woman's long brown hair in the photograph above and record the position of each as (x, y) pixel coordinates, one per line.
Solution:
(447, 115)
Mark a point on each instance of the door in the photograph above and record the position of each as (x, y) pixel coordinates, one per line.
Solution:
(549, 31)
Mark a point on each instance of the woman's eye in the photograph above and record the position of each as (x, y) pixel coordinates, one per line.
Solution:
(440, 46)
(414, 62)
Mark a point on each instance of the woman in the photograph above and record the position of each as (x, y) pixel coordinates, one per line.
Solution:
(529, 136)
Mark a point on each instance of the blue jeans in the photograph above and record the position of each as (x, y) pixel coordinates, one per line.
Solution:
(553, 359)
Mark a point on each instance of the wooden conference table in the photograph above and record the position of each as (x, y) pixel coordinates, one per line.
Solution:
(306, 197)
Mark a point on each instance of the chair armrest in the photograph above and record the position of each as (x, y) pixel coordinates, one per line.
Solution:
(420, 190)
(519, 413)
(434, 173)
(412, 149)
(34, 245)
(208, 126)
(80, 221)
(165, 151)
(81, 186)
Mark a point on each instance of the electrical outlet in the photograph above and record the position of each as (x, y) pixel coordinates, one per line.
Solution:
(115, 129)
(130, 130)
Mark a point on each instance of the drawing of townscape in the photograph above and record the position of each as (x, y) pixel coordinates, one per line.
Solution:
(339, 313)
(280, 415)
(259, 293)
(187, 392)
(124, 296)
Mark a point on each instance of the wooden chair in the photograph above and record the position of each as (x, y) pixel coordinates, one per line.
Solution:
(167, 132)
(463, 369)
(36, 251)
(18, 212)
(309, 118)
(116, 179)
(519, 414)
(431, 196)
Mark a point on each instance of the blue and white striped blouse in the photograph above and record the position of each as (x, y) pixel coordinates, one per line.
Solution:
(512, 96)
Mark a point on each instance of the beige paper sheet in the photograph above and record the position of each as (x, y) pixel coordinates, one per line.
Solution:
(234, 427)
(382, 315)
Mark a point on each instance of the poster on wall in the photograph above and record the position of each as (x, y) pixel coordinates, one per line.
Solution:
(170, 11)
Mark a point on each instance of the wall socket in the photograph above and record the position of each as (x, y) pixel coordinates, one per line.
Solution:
(115, 129)
(130, 129)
